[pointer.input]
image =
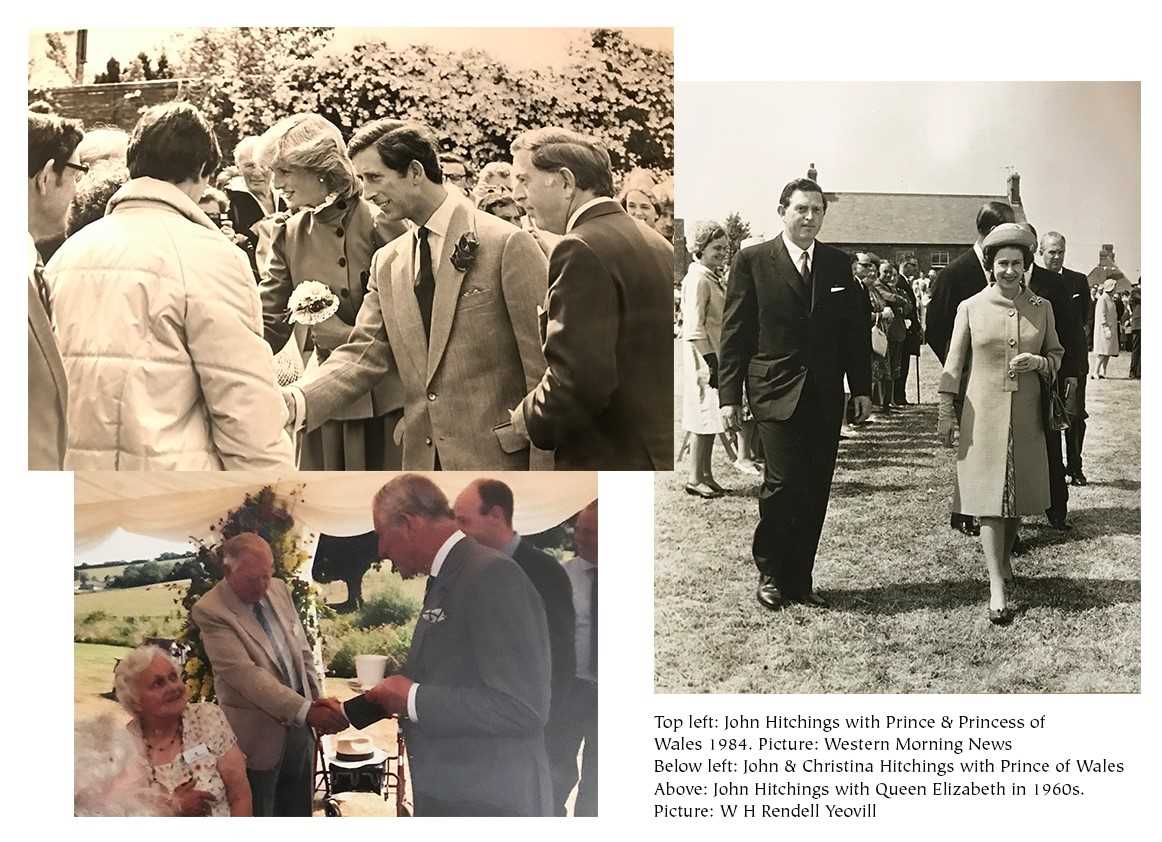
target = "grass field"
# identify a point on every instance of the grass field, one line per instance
(146, 601)
(909, 595)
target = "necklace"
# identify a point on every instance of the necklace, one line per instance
(153, 750)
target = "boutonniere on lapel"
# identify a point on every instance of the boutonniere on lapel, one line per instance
(464, 252)
(434, 615)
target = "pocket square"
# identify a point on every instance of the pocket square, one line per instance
(471, 291)
(837, 289)
(1077, 295)
(434, 615)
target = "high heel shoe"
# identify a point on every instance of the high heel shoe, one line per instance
(703, 491)
(1000, 616)
(714, 486)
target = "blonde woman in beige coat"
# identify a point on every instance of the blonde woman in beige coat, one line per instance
(1004, 343)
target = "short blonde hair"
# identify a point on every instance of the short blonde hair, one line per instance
(314, 144)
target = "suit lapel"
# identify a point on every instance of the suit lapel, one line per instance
(448, 283)
(41, 329)
(246, 619)
(411, 341)
(434, 602)
(787, 271)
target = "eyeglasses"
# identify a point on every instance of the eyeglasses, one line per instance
(80, 168)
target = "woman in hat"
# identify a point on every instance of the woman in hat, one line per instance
(1105, 327)
(703, 297)
(190, 762)
(1004, 351)
(330, 238)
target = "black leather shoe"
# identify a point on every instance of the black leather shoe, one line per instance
(703, 491)
(768, 595)
(1060, 524)
(811, 600)
(1018, 546)
(970, 527)
(1079, 479)
(1000, 617)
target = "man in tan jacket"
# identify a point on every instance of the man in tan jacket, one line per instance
(53, 167)
(264, 676)
(452, 306)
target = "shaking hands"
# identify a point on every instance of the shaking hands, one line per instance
(326, 716)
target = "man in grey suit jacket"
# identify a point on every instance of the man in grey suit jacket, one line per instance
(452, 306)
(53, 165)
(264, 676)
(474, 693)
(607, 397)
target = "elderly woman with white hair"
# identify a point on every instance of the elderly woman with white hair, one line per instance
(703, 297)
(330, 238)
(192, 763)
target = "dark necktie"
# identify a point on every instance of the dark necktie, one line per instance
(431, 583)
(804, 272)
(260, 615)
(425, 281)
(593, 621)
(42, 290)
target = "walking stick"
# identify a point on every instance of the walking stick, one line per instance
(917, 380)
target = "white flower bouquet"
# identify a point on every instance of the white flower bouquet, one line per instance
(311, 302)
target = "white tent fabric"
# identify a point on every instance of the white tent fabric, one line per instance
(176, 505)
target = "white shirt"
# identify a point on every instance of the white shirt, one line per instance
(437, 226)
(577, 213)
(796, 253)
(582, 581)
(437, 563)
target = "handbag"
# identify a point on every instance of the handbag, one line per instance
(1053, 411)
(879, 340)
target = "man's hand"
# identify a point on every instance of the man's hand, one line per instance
(861, 408)
(330, 334)
(326, 715)
(731, 417)
(392, 694)
(291, 410)
(188, 801)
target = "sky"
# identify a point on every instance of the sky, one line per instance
(127, 546)
(1076, 145)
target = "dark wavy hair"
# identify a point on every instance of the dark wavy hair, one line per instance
(992, 214)
(398, 144)
(990, 254)
(51, 138)
(173, 142)
(804, 184)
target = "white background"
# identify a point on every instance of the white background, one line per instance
(714, 41)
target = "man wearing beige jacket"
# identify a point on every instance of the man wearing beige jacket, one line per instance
(264, 676)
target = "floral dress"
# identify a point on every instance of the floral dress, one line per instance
(206, 737)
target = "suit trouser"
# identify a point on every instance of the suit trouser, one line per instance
(1135, 353)
(1075, 435)
(796, 488)
(901, 395)
(578, 727)
(1058, 488)
(287, 789)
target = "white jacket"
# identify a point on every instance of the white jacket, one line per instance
(159, 325)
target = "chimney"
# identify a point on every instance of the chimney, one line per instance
(813, 173)
(1106, 258)
(1013, 191)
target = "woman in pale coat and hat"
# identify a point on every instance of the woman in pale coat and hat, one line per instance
(330, 238)
(1004, 343)
(1105, 327)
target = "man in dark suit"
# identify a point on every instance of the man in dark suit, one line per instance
(1071, 333)
(474, 693)
(909, 272)
(1052, 251)
(795, 322)
(484, 512)
(961, 279)
(606, 398)
(53, 167)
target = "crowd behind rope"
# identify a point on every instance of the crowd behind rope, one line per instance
(960, 311)
(188, 384)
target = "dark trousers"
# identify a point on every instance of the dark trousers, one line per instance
(1136, 354)
(1058, 488)
(576, 735)
(1075, 435)
(901, 395)
(286, 790)
(796, 487)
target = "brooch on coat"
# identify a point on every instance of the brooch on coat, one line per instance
(464, 253)
(1035, 300)
(434, 615)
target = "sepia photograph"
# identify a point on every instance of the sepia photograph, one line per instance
(350, 249)
(335, 644)
(907, 413)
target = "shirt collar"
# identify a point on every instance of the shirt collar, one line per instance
(585, 564)
(439, 222)
(509, 549)
(442, 553)
(591, 203)
(33, 255)
(979, 254)
(794, 251)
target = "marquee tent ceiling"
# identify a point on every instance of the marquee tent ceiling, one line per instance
(175, 505)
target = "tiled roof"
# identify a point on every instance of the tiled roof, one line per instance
(904, 218)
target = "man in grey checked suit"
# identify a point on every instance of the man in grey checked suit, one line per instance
(451, 305)
(264, 676)
(474, 693)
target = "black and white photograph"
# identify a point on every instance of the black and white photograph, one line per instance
(335, 644)
(317, 248)
(907, 412)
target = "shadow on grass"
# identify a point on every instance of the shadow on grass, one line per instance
(855, 488)
(1058, 592)
(1091, 522)
(1120, 484)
